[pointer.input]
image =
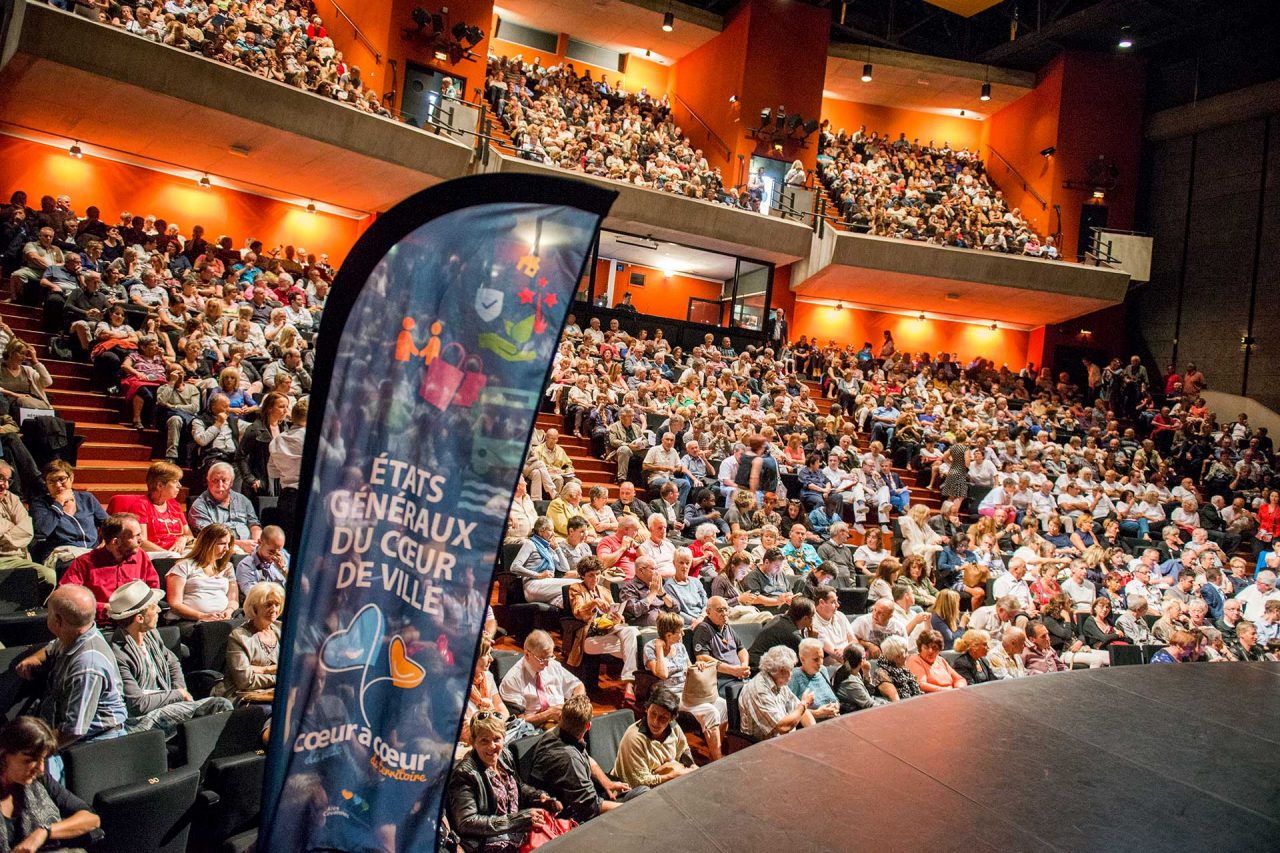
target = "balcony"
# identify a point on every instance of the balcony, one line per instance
(86, 81)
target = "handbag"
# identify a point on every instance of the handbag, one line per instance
(540, 835)
(700, 685)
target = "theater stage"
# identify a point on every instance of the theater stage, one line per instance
(1135, 758)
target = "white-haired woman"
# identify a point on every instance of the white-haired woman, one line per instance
(892, 678)
(917, 536)
(253, 649)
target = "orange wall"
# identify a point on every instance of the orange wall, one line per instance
(960, 132)
(1020, 132)
(641, 72)
(115, 187)
(706, 77)
(373, 17)
(856, 326)
(786, 66)
(661, 297)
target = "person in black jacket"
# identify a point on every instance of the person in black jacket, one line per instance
(255, 445)
(563, 768)
(489, 806)
(972, 662)
(785, 630)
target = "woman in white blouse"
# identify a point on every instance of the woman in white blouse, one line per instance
(917, 536)
(870, 553)
(599, 514)
(202, 585)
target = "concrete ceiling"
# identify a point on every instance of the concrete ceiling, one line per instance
(627, 27)
(974, 301)
(667, 256)
(928, 84)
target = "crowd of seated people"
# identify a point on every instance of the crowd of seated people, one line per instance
(746, 515)
(561, 118)
(285, 41)
(929, 192)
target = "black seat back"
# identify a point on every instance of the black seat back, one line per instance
(209, 644)
(502, 664)
(605, 735)
(151, 815)
(19, 591)
(852, 601)
(101, 764)
(237, 780)
(522, 753)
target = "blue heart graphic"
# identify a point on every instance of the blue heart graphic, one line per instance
(348, 648)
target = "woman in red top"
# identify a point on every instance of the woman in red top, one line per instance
(1046, 586)
(929, 666)
(1268, 523)
(164, 525)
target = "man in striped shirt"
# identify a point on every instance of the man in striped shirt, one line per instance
(84, 699)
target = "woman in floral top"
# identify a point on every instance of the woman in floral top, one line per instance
(892, 679)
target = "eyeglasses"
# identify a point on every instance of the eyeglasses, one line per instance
(486, 715)
(550, 656)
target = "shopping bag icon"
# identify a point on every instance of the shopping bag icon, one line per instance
(443, 379)
(473, 381)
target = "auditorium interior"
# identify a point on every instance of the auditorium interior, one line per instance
(889, 373)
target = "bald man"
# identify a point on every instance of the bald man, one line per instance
(84, 699)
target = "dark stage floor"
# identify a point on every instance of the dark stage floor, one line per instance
(1137, 758)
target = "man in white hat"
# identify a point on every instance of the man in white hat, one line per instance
(155, 691)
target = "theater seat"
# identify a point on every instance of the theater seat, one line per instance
(502, 663)
(237, 732)
(853, 602)
(522, 754)
(1125, 655)
(605, 735)
(99, 765)
(150, 816)
(237, 782)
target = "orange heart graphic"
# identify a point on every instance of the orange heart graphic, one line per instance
(405, 672)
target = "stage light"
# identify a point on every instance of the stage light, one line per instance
(994, 327)
(839, 306)
(459, 30)
(810, 126)
(668, 22)
(205, 183)
(793, 121)
(866, 73)
(765, 114)
(1048, 152)
(962, 114)
(986, 92)
(648, 52)
(75, 151)
(780, 117)
(921, 317)
(733, 99)
(311, 207)
(1126, 41)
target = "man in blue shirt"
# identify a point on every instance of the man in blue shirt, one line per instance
(808, 677)
(269, 562)
(883, 419)
(221, 504)
(84, 699)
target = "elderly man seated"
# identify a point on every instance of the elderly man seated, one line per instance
(538, 685)
(221, 504)
(1006, 659)
(269, 562)
(808, 678)
(872, 629)
(155, 690)
(84, 696)
(1039, 656)
(542, 569)
(654, 749)
(767, 705)
(716, 642)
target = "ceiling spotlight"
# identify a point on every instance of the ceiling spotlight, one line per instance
(733, 99)
(810, 126)
(648, 52)
(793, 121)
(921, 317)
(311, 207)
(75, 151)
(986, 92)
(765, 115)
(866, 72)
(780, 117)
(205, 183)
(839, 306)
(668, 22)
(1048, 152)
(962, 114)
(993, 327)
(1126, 41)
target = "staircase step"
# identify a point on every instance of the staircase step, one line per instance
(83, 399)
(110, 451)
(90, 415)
(113, 432)
(113, 471)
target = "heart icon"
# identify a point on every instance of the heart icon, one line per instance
(349, 648)
(406, 673)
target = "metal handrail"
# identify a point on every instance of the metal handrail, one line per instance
(715, 137)
(1026, 185)
(359, 33)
